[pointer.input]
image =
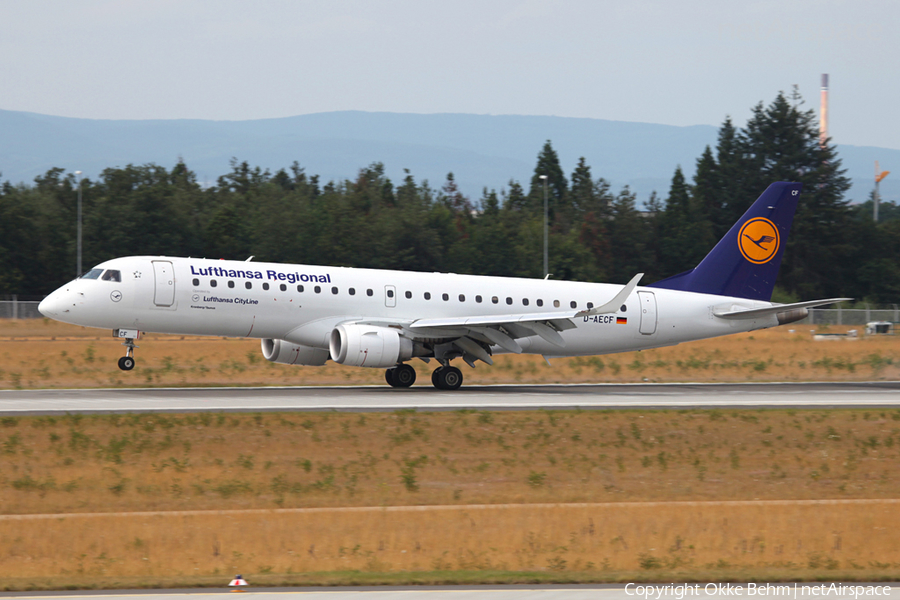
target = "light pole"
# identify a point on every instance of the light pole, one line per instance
(546, 258)
(78, 268)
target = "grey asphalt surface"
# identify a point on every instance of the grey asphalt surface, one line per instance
(500, 397)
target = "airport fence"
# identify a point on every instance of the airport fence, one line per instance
(851, 316)
(19, 309)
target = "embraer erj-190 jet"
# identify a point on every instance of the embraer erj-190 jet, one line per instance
(306, 314)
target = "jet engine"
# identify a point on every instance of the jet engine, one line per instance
(286, 353)
(359, 345)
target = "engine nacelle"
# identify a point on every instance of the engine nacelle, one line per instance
(286, 353)
(360, 345)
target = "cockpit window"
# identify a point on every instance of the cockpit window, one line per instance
(112, 275)
(92, 274)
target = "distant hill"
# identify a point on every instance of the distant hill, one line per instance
(481, 150)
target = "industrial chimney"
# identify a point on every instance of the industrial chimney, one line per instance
(823, 112)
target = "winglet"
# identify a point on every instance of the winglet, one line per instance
(614, 304)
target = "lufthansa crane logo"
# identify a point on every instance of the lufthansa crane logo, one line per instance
(758, 240)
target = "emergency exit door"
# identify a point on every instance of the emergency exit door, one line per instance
(164, 277)
(648, 312)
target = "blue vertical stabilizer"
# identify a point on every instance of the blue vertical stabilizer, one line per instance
(744, 264)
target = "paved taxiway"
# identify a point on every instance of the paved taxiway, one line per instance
(510, 592)
(500, 397)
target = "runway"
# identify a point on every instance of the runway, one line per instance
(500, 397)
(509, 592)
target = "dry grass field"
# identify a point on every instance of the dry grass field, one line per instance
(448, 494)
(45, 354)
(525, 543)
(466, 496)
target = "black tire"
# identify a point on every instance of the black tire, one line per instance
(404, 376)
(450, 378)
(126, 363)
(436, 378)
(389, 376)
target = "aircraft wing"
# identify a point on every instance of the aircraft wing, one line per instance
(503, 330)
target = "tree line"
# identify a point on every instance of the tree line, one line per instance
(596, 233)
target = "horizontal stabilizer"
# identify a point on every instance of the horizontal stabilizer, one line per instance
(755, 313)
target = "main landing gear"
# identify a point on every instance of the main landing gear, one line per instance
(402, 375)
(443, 378)
(447, 378)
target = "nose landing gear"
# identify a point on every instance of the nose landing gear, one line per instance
(126, 363)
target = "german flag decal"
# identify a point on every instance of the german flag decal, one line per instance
(621, 321)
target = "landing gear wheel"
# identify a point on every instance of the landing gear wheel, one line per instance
(404, 376)
(389, 376)
(126, 363)
(447, 378)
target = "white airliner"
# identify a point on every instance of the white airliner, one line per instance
(306, 315)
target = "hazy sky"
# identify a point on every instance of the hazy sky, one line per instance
(680, 63)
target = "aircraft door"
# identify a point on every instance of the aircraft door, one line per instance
(390, 296)
(648, 312)
(164, 277)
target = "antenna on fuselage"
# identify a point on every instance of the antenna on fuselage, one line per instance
(250, 258)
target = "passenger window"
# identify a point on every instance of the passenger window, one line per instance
(300, 288)
(212, 283)
(462, 298)
(445, 297)
(196, 282)
(408, 295)
(265, 286)
(556, 304)
(248, 285)
(369, 292)
(495, 299)
(334, 290)
(509, 300)
(525, 301)
(478, 299)
(112, 275)
(573, 304)
(283, 287)
(624, 308)
(428, 295)
(390, 293)
(92, 274)
(231, 284)
(539, 302)
(352, 291)
(590, 305)
(317, 289)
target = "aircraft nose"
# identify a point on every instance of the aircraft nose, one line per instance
(52, 305)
